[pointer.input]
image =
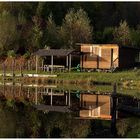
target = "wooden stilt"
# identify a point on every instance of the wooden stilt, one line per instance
(51, 96)
(69, 98)
(42, 64)
(69, 62)
(21, 71)
(66, 99)
(36, 64)
(36, 90)
(13, 65)
(113, 112)
(82, 61)
(4, 72)
(51, 63)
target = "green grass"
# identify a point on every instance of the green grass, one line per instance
(101, 76)
(126, 77)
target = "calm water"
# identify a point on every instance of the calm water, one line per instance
(70, 112)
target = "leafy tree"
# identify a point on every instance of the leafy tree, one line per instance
(135, 37)
(8, 31)
(52, 33)
(28, 9)
(37, 33)
(11, 54)
(122, 34)
(40, 9)
(75, 28)
(108, 35)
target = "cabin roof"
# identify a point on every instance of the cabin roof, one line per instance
(54, 52)
(105, 45)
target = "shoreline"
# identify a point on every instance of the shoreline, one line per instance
(124, 78)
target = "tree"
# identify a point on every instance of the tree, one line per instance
(135, 37)
(108, 35)
(37, 34)
(75, 28)
(51, 33)
(8, 32)
(122, 34)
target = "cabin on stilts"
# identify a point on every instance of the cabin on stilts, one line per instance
(108, 56)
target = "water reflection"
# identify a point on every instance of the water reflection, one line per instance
(49, 111)
(95, 106)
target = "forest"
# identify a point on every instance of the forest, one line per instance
(28, 26)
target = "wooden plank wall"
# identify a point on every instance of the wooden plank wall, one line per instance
(99, 56)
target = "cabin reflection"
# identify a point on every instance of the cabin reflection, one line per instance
(95, 106)
(86, 105)
(56, 100)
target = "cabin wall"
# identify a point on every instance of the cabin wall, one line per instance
(127, 57)
(99, 56)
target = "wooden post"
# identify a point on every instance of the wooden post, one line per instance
(4, 78)
(81, 100)
(4, 72)
(20, 89)
(36, 90)
(111, 61)
(42, 64)
(97, 100)
(51, 63)
(69, 98)
(113, 112)
(51, 96)
(69, 62)
(21, 71)
(66, 98)
(4, 87)
(36, 64)
(97, 61)
(82, 60)
(13, 89)
(13, 64)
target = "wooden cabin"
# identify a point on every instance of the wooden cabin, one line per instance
(107, 56)
(95, 106)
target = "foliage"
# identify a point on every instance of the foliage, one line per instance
(27, 55)
(28, 26)
(108, 35)
(51, 33)
(8, 31)
(135, 37)
(122, 34)
(75, 28)
(11, 53)
(37, 33)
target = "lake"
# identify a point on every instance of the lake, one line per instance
(68, 111)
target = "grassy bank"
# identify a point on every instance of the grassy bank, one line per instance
(121, 77)
(125, 78)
